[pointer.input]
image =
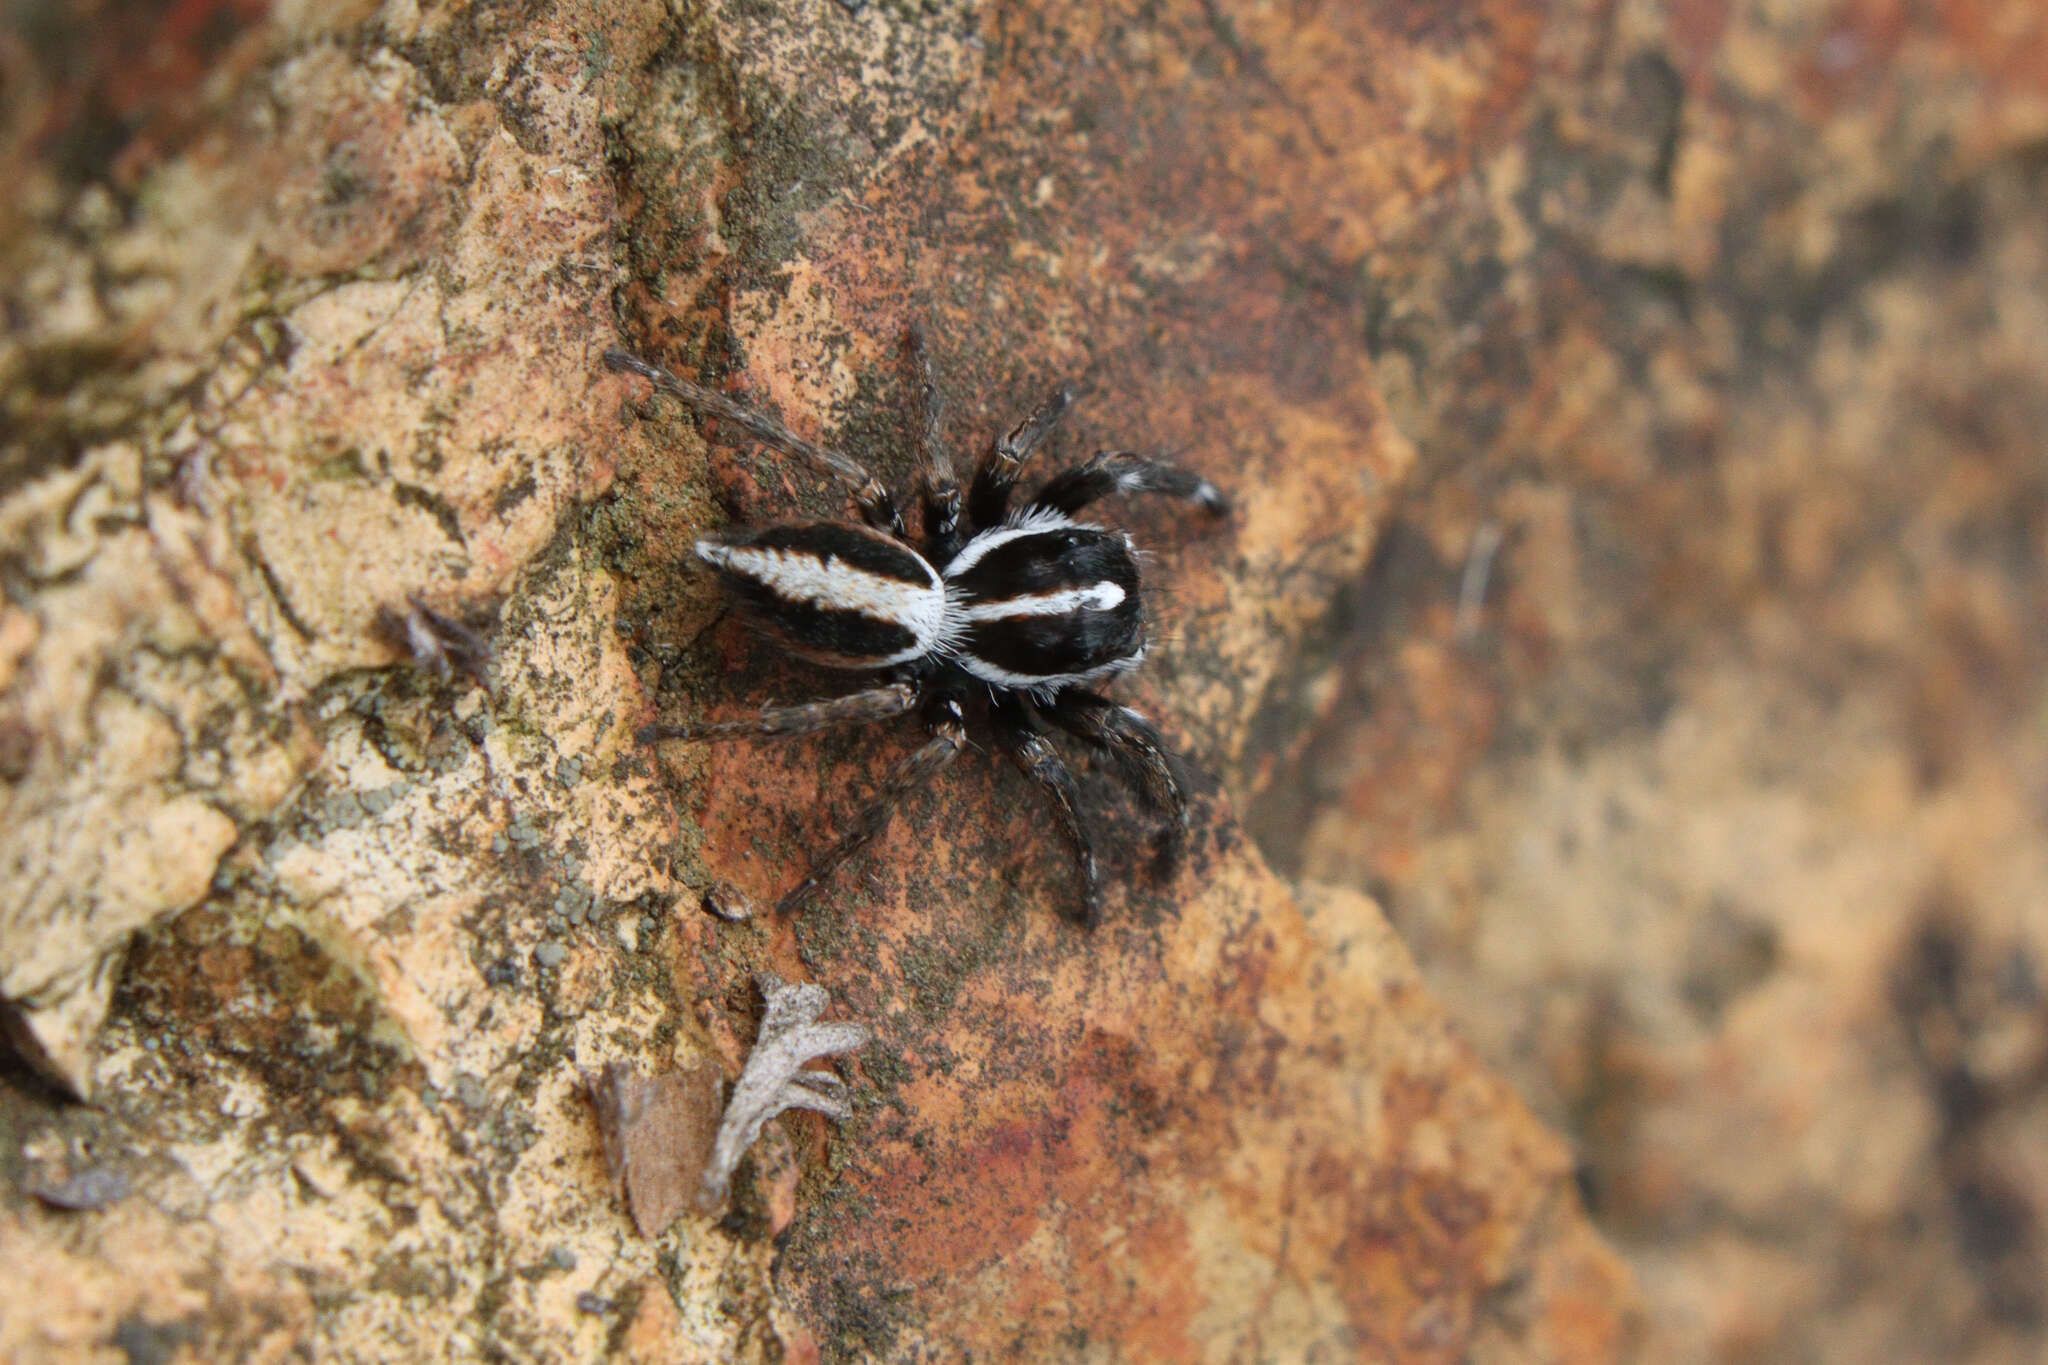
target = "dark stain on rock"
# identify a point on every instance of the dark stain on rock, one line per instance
(142, 1342)
(1947, 989)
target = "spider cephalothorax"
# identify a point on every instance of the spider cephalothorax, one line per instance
(1014, 614)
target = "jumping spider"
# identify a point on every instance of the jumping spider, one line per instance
(1013, 614)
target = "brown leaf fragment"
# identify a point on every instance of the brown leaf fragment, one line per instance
(774, 1078)
(657, 1133)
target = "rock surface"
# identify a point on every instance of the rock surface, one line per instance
(1720, 815)
(303, 311)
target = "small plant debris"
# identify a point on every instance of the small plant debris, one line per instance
(437, 642)
(663, 1132)
(774, 1078)
(727, 902)
(657, 1134)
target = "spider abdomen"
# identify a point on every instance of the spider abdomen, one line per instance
(836, 593)
(1045, 602)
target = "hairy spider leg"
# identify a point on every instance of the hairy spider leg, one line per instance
(1141, 753)
(949, 737)
(940, 489)
(988, 501)
(877, 508)
(789, 722)
(1123, 472)
(1016, 731)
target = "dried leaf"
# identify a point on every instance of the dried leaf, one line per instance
(658, 1135)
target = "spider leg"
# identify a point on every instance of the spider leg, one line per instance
(988, 501)
(1147, 763)
(788, 722)
(949, 737)
(1122, 472)
(941, 490)
(1017, 734)
(877, 508)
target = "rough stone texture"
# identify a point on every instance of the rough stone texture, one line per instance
(259, 386)
(1720, 822)
(302, 314)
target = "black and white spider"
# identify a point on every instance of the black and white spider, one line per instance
(1015, 614)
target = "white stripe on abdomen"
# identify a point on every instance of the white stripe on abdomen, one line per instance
(1094, 597)
(831, 583)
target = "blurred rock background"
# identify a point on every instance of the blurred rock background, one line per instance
(1692, 724)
